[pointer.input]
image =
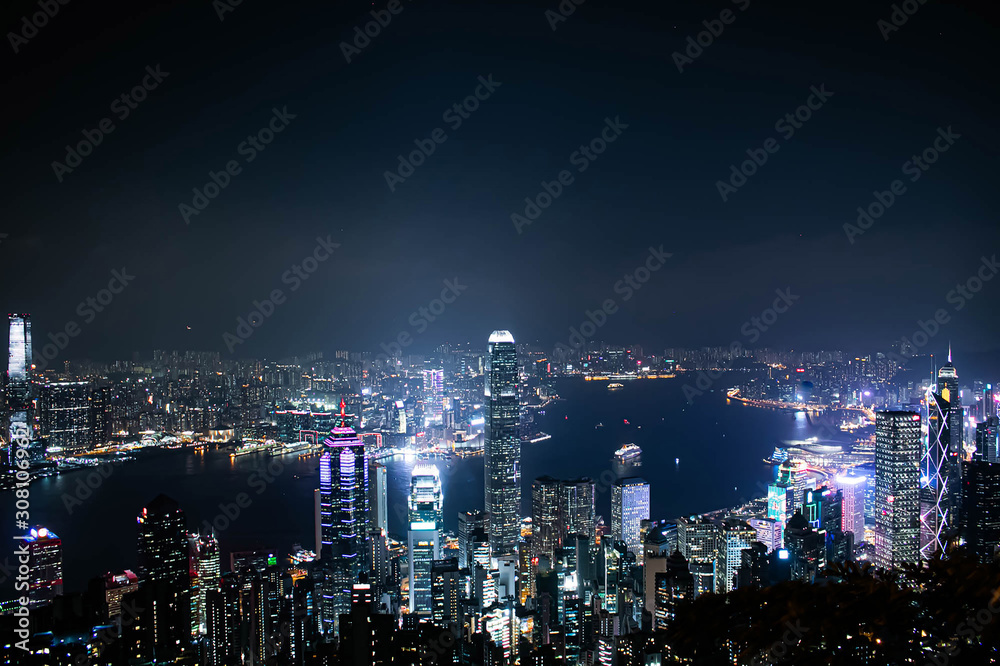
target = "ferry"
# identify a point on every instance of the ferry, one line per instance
(615, 386)
(628, 454)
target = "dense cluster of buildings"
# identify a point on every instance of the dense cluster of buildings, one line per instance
(559, 586)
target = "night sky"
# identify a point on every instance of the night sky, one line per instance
(323, 175)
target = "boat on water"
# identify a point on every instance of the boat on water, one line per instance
(615, 386)
(628, 454)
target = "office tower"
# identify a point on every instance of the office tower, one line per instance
(897, 481)
(769, 532)
(568, 605)
(629, 507)
(255, 606)
(379, 501)
(981, 509)
(423, 547)
(654, 563)
(853, 489)
(988, 439)
(560, 509)
(781, 498)
(205, 569)
(445, 592)
(502, 450)
(343, 482)
(425, 504)
(100, 415)
(698, 541)
(469, 521)
(163, 568)
(65, 416)
(614, 574)
(222, 622)
(674, 586)
(45, 576)
(426, 499)
(19, 388)
(736, 536)
(433, 397)
(116, 586)
(947, 385)
(753, 566)
(937, 506)
(806, 548)
(839, 544)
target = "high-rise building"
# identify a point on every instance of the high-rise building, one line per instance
(629, 507)
(937, 508)
(379, 502)
(163, 569)
(433, 397)
(560, 509)
(468, 522)
(981, 509)
(116, 586)
(853, 519)
(222, 620)
(205, 569)
(897, 488)
(736, 536)
(45, 576)
(343, 482)
(698, 541)
(988, 439)
(19, 388)
(445, 592)
(423, 544)
(673, 587)
(65, 416)
(947, 385)
(502, 450)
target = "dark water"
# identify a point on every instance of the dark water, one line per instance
(720, 448)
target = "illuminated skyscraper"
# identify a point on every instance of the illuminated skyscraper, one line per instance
(378, 478)
(981, 509)
(222, 618)
(469, 522)
(736, 536)
(344, 509)
(502, 444)
(433, 396)
(853, 518)
(45, 576)
(897, 488)
(674, 587)
(19, 425)
(205, 567)
(560, 509)
(629, 507)
(425, 504)
(164, 570)
(698, 541)
(937, 504)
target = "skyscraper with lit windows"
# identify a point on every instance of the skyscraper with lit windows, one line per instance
(423, 542)
(502, 450)
(853, 516)
(433, 396)
(629, 507)
(18, 389)
(45, 576)
(897, 488)
(344, 517)
(937, 508)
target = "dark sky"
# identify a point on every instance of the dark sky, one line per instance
(655, 185)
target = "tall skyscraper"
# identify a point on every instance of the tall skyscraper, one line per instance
(222, 619)
(18, 389)
(853, 518)
(937, 508)
(673, 587)
(698, 542)
(423, 543)
(981, 509)
(45, 576)
(560, 509)
(163, 568)
(433, 397)
(378, 477)
(736, 536)
(468, 523)
(445, 592)
(629, 507)
(205, 567)
(988, 439)
(897, 488)
(344, 508)
(502, 444)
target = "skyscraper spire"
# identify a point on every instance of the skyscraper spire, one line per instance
(343, 414)
(949, 351)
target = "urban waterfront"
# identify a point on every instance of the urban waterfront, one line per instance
(715, 441)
